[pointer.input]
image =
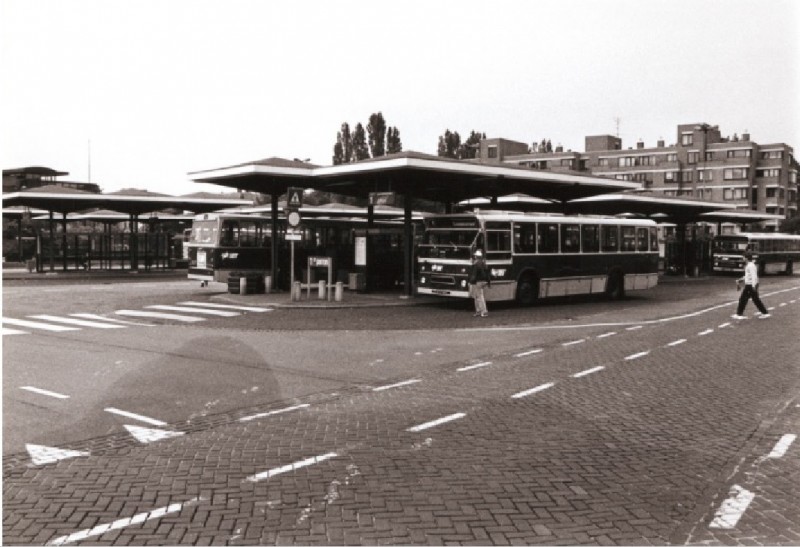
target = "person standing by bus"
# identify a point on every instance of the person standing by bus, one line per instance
(750, 280)
(478, 281)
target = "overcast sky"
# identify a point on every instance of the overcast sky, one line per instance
(161, 88)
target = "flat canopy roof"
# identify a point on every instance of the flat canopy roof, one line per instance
(413, 174)
(675, 209)
(76, 200)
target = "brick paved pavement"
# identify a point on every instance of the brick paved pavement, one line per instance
(642, 451)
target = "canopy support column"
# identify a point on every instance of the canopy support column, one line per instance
(274, 243)
(408, 248)
(64, 240)
(52, 243)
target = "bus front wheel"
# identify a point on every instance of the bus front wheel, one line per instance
(615, 286)
(527, 291)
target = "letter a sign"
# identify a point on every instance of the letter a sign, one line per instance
(294, 198)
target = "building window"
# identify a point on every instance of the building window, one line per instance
(768, 172)
(686, 176)
(492, 151)
(772, 192)
(687, 139)
(672, 157)
(671, 176)
(793, 177)
(709, 155)
(566, 163)
(705, 175)
(734, 193)
(735, 173)
(772, 155)
(739, 153)
(603, 162)
(670, 193)
(693, 156)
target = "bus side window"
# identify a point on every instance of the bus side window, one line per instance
(548, 238)
(589, 240)
(609, 236)
(230, 234)
(525, 238)
(570, 238)
(641, 239)
(628, 238)
(653, 239)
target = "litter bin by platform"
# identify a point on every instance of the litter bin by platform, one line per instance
(255, 282)
(357, 282)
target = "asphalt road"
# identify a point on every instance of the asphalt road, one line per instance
(658, 419)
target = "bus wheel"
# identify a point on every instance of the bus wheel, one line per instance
(527, 291)
(789, 267)
(615, 286)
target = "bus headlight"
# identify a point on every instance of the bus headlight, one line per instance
(463, 283)
(422, 280)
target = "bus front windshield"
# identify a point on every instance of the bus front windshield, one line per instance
(444, 243)
(204, 232)
(730, 245)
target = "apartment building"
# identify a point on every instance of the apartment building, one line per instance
(701, 163)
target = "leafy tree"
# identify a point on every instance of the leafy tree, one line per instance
(449, 144)
(347, 144)
(360, 149)
(338, 150)
(393, 143)
(376, 130)
(469, 149)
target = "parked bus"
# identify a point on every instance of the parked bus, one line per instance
(774, 252)
(221, 243)
(532, 256)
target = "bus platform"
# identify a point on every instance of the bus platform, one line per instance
(350, 299)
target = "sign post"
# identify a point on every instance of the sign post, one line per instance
(294, 200)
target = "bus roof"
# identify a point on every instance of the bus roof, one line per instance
(759, 235)
(548, 217)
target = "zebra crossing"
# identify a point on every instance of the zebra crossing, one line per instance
(150, 316)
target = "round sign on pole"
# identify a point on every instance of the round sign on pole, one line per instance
(293, 218)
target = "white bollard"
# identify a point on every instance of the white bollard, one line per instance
(267, 284)
(339, 291)
(296, 291)
(243, 285)
(321, 294)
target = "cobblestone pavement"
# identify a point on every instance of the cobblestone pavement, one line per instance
(661, 433)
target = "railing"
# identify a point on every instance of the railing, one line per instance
(105, 252)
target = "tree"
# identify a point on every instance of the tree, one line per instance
(449, 144)
(376, 130)
(393, 144)
(347, 144)
(338, 150)
(360, 149)
(469, 149)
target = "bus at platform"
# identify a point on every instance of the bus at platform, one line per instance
(533, 256)
(773, 252)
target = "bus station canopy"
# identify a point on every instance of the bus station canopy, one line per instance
(667, 209)
(412, 174)
(68, 200)
(106, 215)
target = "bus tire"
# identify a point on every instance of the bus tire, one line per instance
(615, 285)
(789, 267)
(527, 290)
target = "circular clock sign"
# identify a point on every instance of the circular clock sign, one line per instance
(293, 218)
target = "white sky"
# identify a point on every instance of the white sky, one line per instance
(165, 87)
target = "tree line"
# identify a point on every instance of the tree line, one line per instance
(360, 144)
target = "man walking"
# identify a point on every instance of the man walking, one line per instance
(750, 280)
(478, 280)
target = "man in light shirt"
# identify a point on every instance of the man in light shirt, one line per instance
(750, 280)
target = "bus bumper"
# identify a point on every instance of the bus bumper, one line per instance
(442, 292)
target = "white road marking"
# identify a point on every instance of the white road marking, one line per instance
(782, 304)
(41, 455)
(637, 327)
(172, 316)
(529, 352)
(770, 308)
(273, 412)
(677, 342)
(588, 371)
(434, 423)
(139, 417)
(123, 523)
(732, 508)
(45, 392)
(782, 446)
(637, 355)
(581, 341)
(191, 309)
(291, 467)
(471, 367)
(77, 322)
(13, 331)
(722, 326)
(226, 306)
(532, 390)
(35, 325)
(606, 335)
(398, 384)
(101, 318)
(703, 333)
(146, 435)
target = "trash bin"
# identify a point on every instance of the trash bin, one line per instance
(255, 282)
(357, 282)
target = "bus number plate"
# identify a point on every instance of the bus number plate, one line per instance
(201, 259)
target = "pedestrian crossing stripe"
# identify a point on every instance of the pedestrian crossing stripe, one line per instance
(226, 306)
(37, 325)
(219, 313)
(159, 315)
(13, 331)
(119, 321)
(78, 322)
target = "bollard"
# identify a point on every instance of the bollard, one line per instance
(339, 291)
(267, 284)
(296, 291)
(243, 285)
(321, 294)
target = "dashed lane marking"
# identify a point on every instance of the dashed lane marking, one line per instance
(705, 332)
(588, 371)
(533, 390)
(677, 342)
(529, 352)
(471, 367)
(190, 309)
(722, 326)
(607, 334)
(111, 319)
(36, 325)
(157, 315)
(782, 446)
(635, 327)
(637, 355)
(145, 419)
(76, 322)
(123, 523)
(273, 412)
(45, 392)
(434, 423)
(291, 467)
(13, 331)
(732, 508)
(574, 342)
(398, 384)
(226, 306)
